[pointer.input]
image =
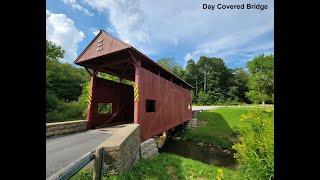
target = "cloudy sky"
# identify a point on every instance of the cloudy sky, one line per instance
(181, 30)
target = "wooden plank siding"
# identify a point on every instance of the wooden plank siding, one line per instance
(171, 104)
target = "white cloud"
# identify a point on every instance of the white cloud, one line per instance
(235, 43)
(165, 26)
(61, 30)
(75, 5)
(94, 31)
(187, 57)
(127, 19)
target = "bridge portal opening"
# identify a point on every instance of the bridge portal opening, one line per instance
(111, 102)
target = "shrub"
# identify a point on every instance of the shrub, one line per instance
(219, 174)
(53, 116)
(83, 174)
(204, 98)
(66, 111)
(84, 98)
(52, 101)
(255, 151)
(72, 110)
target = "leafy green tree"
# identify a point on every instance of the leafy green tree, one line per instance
(64, 84)
(84, 98)
(192, 77)
(204, 98)
(53, 52)
(214, 77)
(239, 85)
(171, 65)
(52, 102)
(64, 80)
(261, 78)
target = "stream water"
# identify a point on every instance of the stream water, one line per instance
(205, 154)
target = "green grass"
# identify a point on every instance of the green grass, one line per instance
(167, 166)
(220, 130)
(221, 127)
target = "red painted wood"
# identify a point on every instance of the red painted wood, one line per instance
(171, 99)
(171, 104)
(121, 97)
(90, 108)
(109, 45)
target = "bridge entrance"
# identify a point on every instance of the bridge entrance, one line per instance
(112, 103)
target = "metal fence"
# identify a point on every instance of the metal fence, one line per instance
(71, 169)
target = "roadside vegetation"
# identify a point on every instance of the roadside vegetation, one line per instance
(64, 86)
(168, 166)
(246, 130)
(249, 131)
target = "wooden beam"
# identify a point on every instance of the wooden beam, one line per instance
(95, 71)
(115, 62)
(88, 71)
(107, 70)
(136, 63)
(125, 68)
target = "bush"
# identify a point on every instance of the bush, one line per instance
(52, 101)
(72, 110)
(66, 111)
(204, 98)
(255, 151)
(54, 116)
(83, 174)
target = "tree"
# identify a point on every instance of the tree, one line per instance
(192, 77)
(261, 78)
(62, 79)
(204, 98)
(174, 67)
(240, 80)
(53, 52)
(219, 83)
(64, 84)
(215, 77)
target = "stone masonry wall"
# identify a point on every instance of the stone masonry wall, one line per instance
(194, 122)
(67, 127)
(122, 150)
(149, 148)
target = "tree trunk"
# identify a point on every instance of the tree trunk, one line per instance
(196, 86)
(205, 81)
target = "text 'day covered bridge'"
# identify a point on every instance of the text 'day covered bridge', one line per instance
(157, 99)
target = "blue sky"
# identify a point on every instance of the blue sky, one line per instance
(179, 30)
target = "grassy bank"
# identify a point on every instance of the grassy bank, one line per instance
(223, 127)
(167, 166)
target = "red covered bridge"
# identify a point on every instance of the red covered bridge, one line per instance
(158, 100)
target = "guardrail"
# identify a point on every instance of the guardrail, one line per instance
(71, 169)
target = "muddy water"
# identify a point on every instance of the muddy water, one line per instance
(205, 154)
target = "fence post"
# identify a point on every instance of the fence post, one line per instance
(98, 164)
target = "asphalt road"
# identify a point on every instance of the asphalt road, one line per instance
(62, 150)
(204, 107)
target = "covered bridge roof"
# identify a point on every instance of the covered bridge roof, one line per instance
(110, 55)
